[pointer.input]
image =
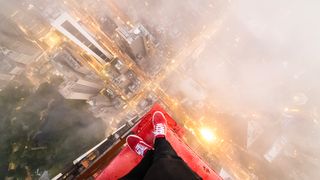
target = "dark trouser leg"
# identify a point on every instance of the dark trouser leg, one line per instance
(138, 172)
(163, 149)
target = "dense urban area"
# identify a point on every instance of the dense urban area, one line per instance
(74, 71)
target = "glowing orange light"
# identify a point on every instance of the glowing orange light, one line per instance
(207, 134)
(52, 39)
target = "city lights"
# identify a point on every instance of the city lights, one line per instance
(52, 39)
(240, 111)
(207, 134)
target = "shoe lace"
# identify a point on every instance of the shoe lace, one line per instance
(140, 149)
(159, 129)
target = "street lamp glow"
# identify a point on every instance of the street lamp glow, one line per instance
(207, 134)
(52, 39)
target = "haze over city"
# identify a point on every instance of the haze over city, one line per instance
(240, 76)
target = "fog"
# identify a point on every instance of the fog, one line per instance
(262, 63)
(255, 62)
(264, 60)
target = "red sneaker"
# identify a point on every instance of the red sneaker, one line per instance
(159, 124)
(137, 145)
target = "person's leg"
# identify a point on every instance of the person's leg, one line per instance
(167, 164)
(161, 145)
(163, 149)
(136, 144)
(138, 172)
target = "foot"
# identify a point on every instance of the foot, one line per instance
(137, 145)
(159, 124)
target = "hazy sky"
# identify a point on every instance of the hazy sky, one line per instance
(263, 59)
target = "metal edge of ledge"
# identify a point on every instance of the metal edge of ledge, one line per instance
(114, 138)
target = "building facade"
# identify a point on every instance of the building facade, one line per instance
(72, 29)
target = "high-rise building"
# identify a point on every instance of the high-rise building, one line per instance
(275, 149)
(47, 9)
(71, 65)
(26, 17)
(123, 78)
(108, 25)
(254, 131)
(8, 70)
(136, 41)
(14, 44)
(80, 89)
(80, 83)
(101, 106)
(132, 42)
(96, 9)
(116, 99)
(119, 66)
(40, 71)
(18, 56)
(80, 36)
(7, 66)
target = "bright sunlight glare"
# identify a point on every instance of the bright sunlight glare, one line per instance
(208, 134)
